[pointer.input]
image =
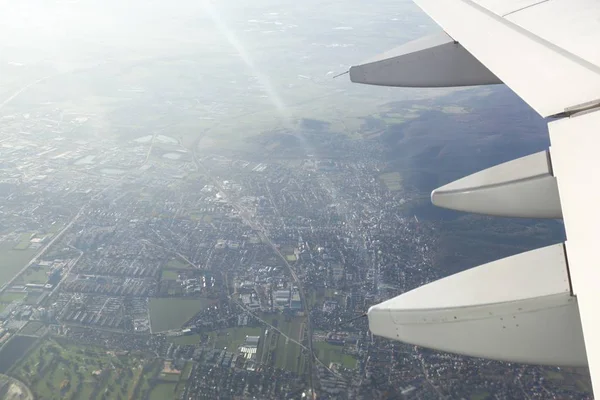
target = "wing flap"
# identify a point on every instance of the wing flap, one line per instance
(516, 309)
(522, 188)
(549, 78)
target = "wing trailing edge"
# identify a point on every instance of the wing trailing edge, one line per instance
(524, 188)
(517, 309)
(432, 61)
(533, 307)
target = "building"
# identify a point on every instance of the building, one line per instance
(295, 302)
(250, 347)
(281, 298)
(252, 341)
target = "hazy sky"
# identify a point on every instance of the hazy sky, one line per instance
(191, 58)
(76, 31)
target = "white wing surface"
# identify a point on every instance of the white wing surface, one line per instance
(547, 52)
(541, 306)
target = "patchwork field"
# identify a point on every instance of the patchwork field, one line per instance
(277, 349)
(58, 370)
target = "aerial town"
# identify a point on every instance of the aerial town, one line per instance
(152, 269)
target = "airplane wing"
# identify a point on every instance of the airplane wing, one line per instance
(537, 307)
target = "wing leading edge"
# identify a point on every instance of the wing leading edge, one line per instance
(540, 306)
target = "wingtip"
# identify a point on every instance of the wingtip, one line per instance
(435, 197)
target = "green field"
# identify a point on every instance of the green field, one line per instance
(317, 297)
(86, 372)
(168, 274)
(169, 377)
(279, 351)
(554, 375)
(329, 353)
(8, 297)
(57, 371)
(185, 340)
(23, 241)
(35, 275)
(253, 239)
(32, 328)
(172, 313)
(291, 257)
(12, 260)
(393, 180)
(178, 264)
(32, 297)
(286, 249)
(575, 378)
(163, 391)
(232, 338)
(187, 370)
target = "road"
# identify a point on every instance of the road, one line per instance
(149, 150)
(298, 283)
(249, 311)
(43, 250)
(265, 238)
(71, 222)
(22, 89)
(66, 274)
(184, 258)
(42, 79)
